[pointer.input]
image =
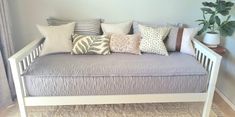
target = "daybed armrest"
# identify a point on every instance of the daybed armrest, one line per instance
(34, 46)
(19, 63)
(21, 60)
(211, 62)
(207, 57)
(27, 55)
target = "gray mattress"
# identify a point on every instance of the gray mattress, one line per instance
(115, 74)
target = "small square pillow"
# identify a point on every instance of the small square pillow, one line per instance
(180, 39)
(90, 44)
(152, 40)
(125, 43)
(116, 28)
(58, 38)
(186, 44)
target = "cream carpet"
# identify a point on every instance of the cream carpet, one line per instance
(123, 110)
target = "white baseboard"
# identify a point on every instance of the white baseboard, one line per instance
(225, 99)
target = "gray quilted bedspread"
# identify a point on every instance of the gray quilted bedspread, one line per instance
(66, 75)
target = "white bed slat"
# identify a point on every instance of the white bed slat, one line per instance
(197, 55)
(24, 64)
(37, 52)
(206, 63)
(21, 68)
(28, 60)
(34, 54)
(203, 60)
(31, 57)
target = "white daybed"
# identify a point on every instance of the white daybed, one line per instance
(22, 60)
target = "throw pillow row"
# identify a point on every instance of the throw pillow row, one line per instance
(152, 38)
(92, 27)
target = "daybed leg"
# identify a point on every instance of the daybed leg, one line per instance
(208, 104)
(18, 87)
(211, 87)
(22, 111)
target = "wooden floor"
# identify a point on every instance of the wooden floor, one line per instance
(223, 106)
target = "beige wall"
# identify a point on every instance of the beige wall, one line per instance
(26, 13)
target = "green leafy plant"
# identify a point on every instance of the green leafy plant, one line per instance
(216, 18)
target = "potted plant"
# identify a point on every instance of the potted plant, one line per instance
(216, 21)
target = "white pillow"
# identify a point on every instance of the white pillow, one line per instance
(58, 38)
(152, 40)
(117, 28)
(186, 44)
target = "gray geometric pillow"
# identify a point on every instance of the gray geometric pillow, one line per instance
(82, 27)
(90, 44)
(173, 39)
(137, 23)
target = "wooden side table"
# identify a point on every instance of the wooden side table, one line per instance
(220, 50)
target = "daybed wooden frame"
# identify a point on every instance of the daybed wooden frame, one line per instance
(22, 59)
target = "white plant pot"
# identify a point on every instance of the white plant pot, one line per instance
(212, 39)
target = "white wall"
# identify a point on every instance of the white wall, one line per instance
(26, 13)
(226, 81)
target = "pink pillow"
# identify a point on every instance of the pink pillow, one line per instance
(125, 43)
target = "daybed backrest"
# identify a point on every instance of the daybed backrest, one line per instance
(83, 27)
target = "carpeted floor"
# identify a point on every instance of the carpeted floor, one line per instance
(124, 110)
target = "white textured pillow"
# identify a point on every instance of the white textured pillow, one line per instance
(152, 40)
(186, 44)
(117, 28)
(58, 38)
